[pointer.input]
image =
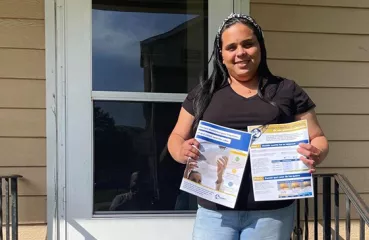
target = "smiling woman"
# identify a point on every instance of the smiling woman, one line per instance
(242, 92)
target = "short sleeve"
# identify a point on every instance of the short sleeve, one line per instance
(302, 101)
(188, 102)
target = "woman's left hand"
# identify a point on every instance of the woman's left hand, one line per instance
(310, 155)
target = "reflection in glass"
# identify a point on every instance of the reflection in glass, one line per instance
(148, 46)
(133, 170)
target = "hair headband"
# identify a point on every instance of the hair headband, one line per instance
(237, 15)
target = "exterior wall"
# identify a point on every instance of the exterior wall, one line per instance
(323, 46)
(22, 109)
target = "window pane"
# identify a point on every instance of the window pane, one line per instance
(148, 46)
(133, 170)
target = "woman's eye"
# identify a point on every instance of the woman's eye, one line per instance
(248, 45)
(231, 48)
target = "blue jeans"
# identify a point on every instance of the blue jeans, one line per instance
(244, 225)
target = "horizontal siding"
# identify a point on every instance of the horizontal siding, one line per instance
(330, 101)
(22, 33)
(346, 154)
(325, 20)
(22, 63)
(15, 93)
(22, 106)
(33, 182)
(323, 73)
(33, 9)
(345, 127)
(22, 123)
(22, 152)
(324, 47)
(317, 46)
(32, 209)
(328, 3)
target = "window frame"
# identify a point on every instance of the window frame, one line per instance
(69, 110)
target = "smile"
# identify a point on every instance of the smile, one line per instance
(242, 63)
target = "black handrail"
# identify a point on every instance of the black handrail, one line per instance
(11, 191)
(343, 185)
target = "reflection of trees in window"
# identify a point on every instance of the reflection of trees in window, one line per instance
(121, 150)
(113, 154)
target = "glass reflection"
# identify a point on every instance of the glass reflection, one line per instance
(133, 170)
(148, 47)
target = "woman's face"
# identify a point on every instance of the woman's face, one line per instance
(240, 51)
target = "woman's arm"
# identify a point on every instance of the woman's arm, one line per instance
(180, 146)
(318, 149)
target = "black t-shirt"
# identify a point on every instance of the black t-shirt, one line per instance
(229, 109)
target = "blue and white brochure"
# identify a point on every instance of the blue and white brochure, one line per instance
(276, 168)
(218, 174)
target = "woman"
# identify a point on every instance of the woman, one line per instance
(241, 91)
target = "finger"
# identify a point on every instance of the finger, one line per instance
(195, 152)
(308, 162)
(193, 149)
(221, 161)
(304, 152)
(309, 147)
(191, 154)
(305, 145)
(194, 142)
(192, 165)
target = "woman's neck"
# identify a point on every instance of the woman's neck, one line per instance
(251, 84)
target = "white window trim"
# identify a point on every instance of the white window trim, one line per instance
(138, 96)
(56, 26)
(54, 109)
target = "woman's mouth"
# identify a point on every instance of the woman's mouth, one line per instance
(242, 63)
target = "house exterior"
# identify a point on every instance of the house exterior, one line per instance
(64, 105)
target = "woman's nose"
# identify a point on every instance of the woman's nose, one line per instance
(241, 52)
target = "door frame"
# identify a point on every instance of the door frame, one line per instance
(63, 21)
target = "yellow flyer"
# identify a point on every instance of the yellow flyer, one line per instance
(276, 168)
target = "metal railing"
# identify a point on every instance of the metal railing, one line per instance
(343, 186)
(10, 184)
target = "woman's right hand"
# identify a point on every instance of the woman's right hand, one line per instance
(189, 149)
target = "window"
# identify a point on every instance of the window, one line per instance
(145, 56)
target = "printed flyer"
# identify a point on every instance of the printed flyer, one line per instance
(223, 157)
(276, 168)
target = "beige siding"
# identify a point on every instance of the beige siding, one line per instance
(340, 20)
(324, 46)
(33, 182)
(22, 108)
(22, 152)
(22, 122)
(21, 33)
(22, 63)
(346, 154)
(22, 9)
(317, 46)
(22, 93)
(323, 73)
